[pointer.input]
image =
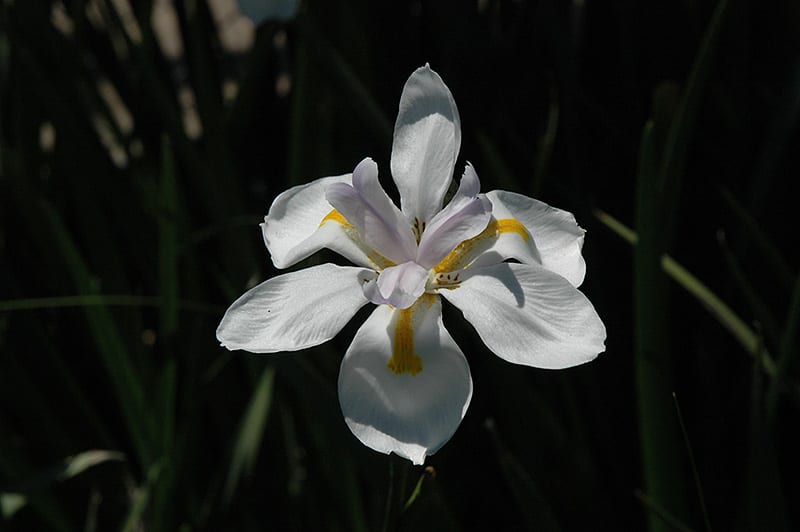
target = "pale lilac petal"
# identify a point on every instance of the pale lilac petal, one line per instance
(367, 207)
(556, 235)
(529, 315)
(463, 218)
(427, 137)
(292, 230)
(399, 285)
(409, 415)
(295, 310)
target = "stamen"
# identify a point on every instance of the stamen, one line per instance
(446, 281)
(417, 230)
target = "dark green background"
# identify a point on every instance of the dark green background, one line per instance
(679, 119)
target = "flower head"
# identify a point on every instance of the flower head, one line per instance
(404, 384)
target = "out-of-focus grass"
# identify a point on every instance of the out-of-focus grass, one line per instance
(660, 180)
(745, 335)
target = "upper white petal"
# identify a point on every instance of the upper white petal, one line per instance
(292, 229)
(409, 415)
(529, 315)
(427, 137)
(463, 218)
(378, 220)
(556, 234)
(295, 310)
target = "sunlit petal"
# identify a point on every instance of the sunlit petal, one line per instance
(556, 234)
(427, 137)
(292, 230)
(411, 415)
(529, 315)
(295, 310)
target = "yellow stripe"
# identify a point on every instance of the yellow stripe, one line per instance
(463, 253)
(512, 225)
(404, 359)
(335, 216)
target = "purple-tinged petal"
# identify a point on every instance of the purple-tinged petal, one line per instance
(465, 216)
(401, 285)
(366, 206)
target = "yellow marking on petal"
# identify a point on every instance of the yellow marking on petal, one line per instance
(463, 253)
(379, 261)
(335, 216)
(512, 225)
(404, 359)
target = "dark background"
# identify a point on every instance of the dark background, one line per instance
(123, 238)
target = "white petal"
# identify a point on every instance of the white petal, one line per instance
(292, 229)
(371, 211)
(529, 315)
(556, 234)
(427, 137)
(295, 310)
(463, 218)
(410, 415)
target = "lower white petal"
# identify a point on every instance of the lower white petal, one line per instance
(295, 310)
(394, 402)
(556, 234)
(529, 315)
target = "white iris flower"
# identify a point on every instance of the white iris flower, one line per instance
(404, 384)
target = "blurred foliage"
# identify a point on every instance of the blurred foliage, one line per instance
(141, 143)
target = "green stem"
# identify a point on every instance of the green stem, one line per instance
(395, 493)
